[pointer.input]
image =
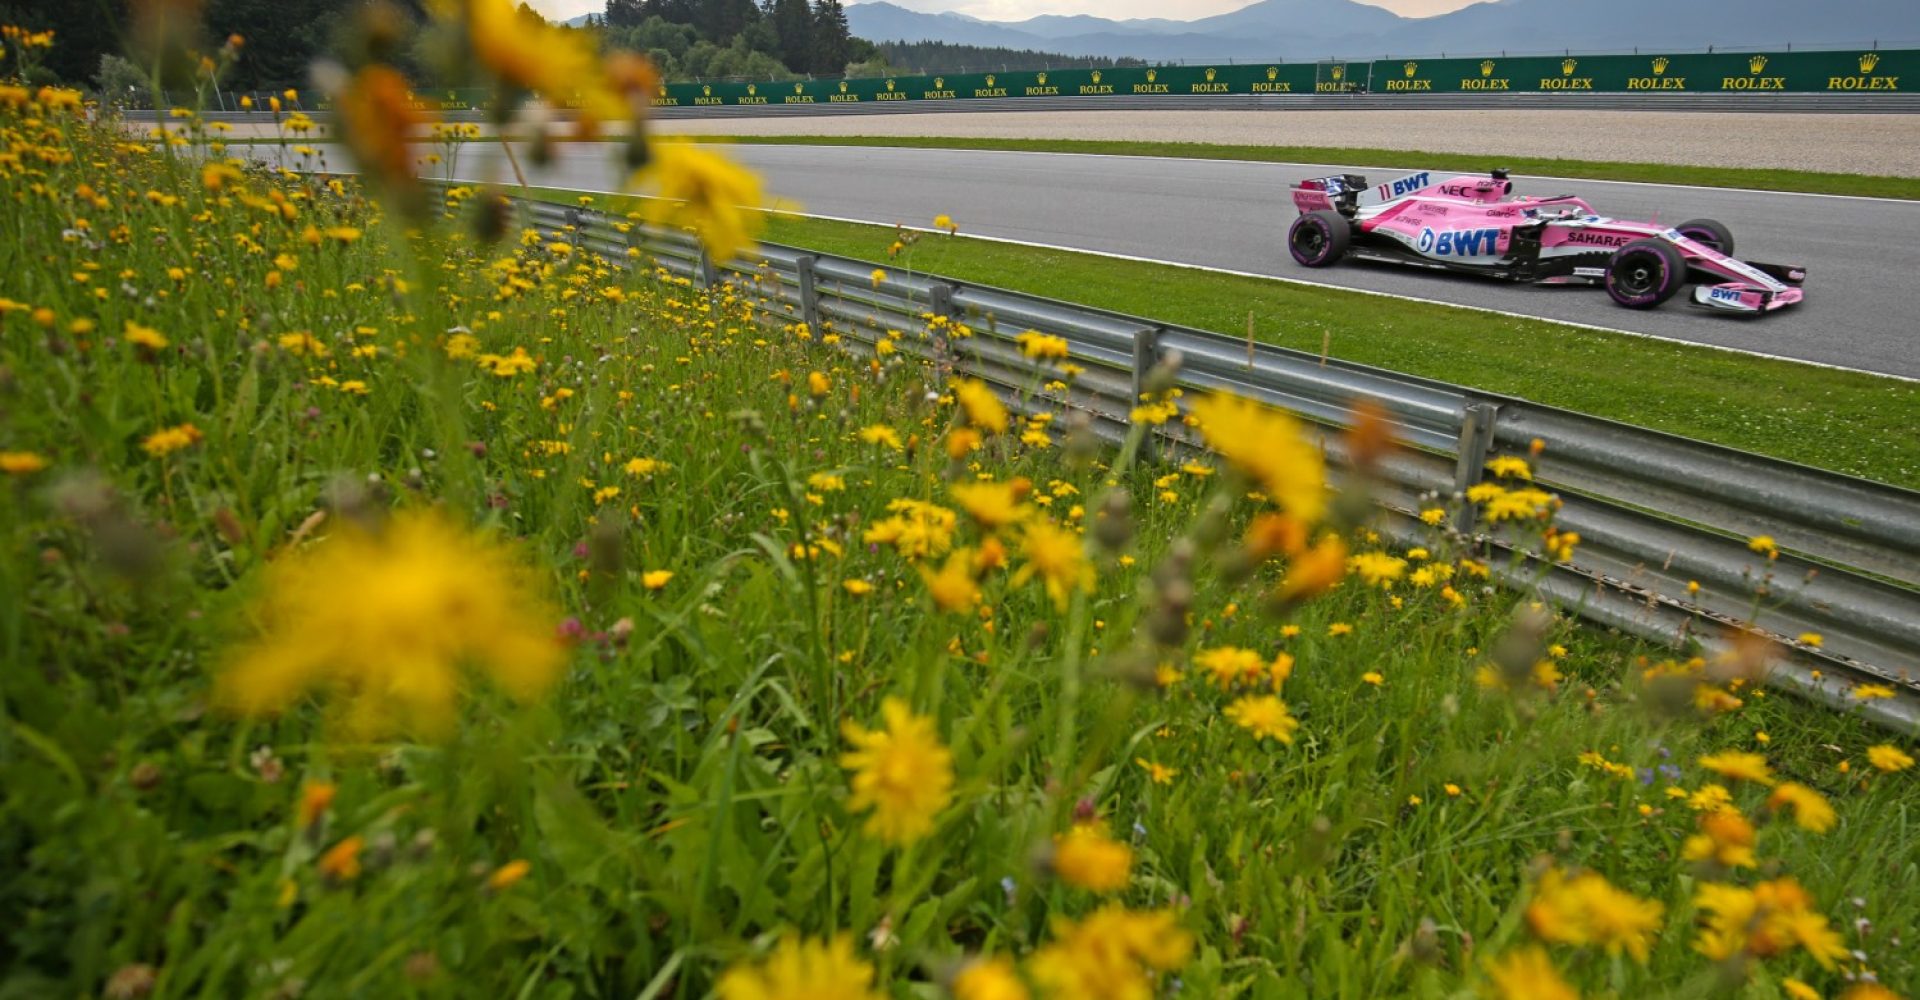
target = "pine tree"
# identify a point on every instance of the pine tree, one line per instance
(625, 13)
(793, 22)
(722, 20)
(831, 38)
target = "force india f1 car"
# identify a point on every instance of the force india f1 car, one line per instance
(1477, 225)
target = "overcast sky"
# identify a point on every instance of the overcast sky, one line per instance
(1014, 10)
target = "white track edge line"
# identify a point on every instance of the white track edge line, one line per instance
(1309, 284)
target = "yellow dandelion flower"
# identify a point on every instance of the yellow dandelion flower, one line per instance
(507, 875)
(901, 772)
(1159, 774)
(1509, 467)
(21, 463)
(383, 621)
(1725, 839)
(1810, 809)
(1586, 909)
(1057, 557)
(1528, 974)
(1270, 448)
(1378, 569)
(1110, 955)
(168, 440)
(989, 979)
(1265, 716)
(1889, 758)
(953, 587)
(992, 505)
(656, 579)
(982, 408)
(145, 337)
(882, 435)
(802, 970)
(341, 862)
(705, 192)
(1086, 857)
(1738, 765)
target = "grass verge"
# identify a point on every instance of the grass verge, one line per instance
(410, 613)
(1862, 185)
(1846, 421)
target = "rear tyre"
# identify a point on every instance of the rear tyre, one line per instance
(1645, 273)
(1319, 239)
(1708, 231)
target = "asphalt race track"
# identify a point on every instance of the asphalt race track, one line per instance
(1863, 255)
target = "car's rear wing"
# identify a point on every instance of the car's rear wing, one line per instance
(1339, 193)
(1346, 193)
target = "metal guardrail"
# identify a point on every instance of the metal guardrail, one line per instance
(1653, 510)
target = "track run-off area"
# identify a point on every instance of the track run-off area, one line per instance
(1861, 254)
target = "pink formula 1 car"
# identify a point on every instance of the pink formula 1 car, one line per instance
(1475, 224)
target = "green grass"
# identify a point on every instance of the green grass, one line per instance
(1845, 421)
(678, 791)
(1863, 185)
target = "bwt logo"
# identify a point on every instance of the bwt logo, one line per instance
(1725, 295)
(1869, 61)
(1757, 64)
(1660, 66)
(1408, 185)
(1461, 243)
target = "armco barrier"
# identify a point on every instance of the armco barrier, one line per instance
(1654, 511)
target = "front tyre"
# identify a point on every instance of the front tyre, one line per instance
(1319, 239)
(1709, 232)
(1645, 273)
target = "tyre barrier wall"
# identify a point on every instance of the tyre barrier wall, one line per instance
(1654, 511)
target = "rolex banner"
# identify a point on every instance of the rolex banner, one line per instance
(1840, 71)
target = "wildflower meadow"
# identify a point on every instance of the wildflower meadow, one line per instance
(401, 602)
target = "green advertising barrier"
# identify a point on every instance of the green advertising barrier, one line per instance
(1717, 72)
(1861, 71)
(1723, 72)
(1291, 78)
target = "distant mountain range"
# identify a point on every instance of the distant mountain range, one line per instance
(1313, 29)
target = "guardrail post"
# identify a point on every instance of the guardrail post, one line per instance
(940, 299)
(1476, 440)
(709, 272)
(809, 292)
(1146, 354)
